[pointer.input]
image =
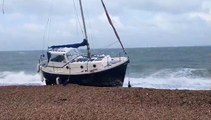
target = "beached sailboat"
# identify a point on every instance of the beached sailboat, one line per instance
(65, 64)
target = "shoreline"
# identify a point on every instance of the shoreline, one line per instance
(83, 102)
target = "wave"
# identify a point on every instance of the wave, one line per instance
(20, 78)
(184, 78)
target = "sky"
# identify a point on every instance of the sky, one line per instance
(37, 24)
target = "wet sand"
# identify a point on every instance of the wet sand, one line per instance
(94, 103)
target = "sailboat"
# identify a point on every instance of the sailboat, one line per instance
(65, 64)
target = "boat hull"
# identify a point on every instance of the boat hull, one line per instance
(112, 77)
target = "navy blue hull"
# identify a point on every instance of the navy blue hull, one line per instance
(108, 78)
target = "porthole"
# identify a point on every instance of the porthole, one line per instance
(94, 66)
(82, 66)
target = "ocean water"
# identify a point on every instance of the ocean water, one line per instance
(160, 68)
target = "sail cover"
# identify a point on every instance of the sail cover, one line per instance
(77, 45)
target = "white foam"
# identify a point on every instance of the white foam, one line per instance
(163, 79)
(170, 83)
(183, 78)
(19, 78)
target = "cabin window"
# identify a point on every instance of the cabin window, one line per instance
(58, 58)
(74, 53)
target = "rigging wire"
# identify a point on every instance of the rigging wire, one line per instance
(46, 33)
(77, 24)
(3, 7)
(108, 46)
(89, 25)
(47, 27)
(77, 16)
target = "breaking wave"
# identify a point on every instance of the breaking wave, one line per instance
(19, 78)
(184, 78)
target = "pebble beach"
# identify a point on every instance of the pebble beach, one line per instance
(95, 103)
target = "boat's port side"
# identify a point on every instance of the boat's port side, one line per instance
(113, 76)
(83, 67)
(70, 66)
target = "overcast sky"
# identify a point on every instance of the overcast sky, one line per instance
(140, 23)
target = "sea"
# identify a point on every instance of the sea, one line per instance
(181, 68)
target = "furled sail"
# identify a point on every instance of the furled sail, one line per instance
(77, 45)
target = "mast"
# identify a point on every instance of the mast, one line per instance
(85, 32)
(110, 22)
